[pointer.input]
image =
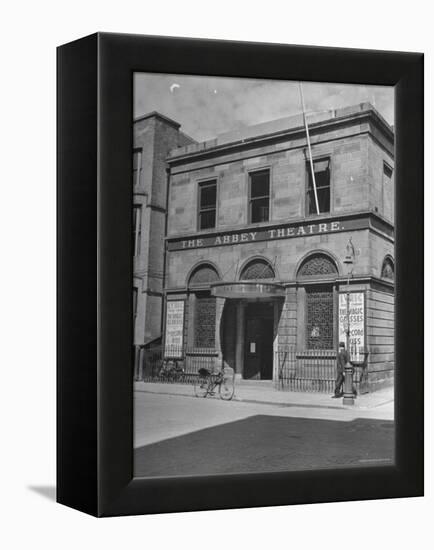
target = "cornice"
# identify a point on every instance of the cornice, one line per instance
(176, 157)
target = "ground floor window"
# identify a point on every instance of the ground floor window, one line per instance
(204, 320)
(319, 318)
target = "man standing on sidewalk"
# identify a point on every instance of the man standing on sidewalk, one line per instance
(342, 359)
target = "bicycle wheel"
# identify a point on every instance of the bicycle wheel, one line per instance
(201, 386)
(227, 387)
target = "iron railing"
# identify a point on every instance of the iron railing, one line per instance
(174, 364)
(305, 371)
(313, 371)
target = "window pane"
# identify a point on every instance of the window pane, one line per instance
(135, 293)
(204, 322)
(258, 269)
(321, 165)
(322, 183)
(259, 184)
(260, 210)
(208, 196)
(311, 207)
(136, 160)
(323, 196)
(137, 166)
(322, 178)
(136, 229)
(207, 219)
(319, 319)
(324, 199)
(387, 171)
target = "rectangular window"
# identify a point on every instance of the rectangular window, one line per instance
(387, 170)
(207, 204)
(137, 166)
(321, 170)
(135, 294)
(137, 229)
(259, 208)
(319, 318)
(387, 192)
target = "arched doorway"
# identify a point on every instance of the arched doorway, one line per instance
(249, 320)
(258, 325)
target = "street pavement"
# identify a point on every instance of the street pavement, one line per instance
(261, 430)
(265, 393)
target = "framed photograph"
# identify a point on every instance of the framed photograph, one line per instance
(240, 274)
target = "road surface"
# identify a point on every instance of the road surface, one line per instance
(178, 435)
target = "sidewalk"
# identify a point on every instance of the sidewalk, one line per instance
(268, 395)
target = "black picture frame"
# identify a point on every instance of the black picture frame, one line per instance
(94, 373)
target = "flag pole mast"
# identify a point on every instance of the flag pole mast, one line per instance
(309, 147)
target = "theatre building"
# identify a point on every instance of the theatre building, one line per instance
(260, 256)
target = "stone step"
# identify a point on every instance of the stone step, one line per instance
(255, 383)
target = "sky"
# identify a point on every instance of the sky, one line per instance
(208, 106)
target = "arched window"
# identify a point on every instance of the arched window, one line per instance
(204, 305)
(319, 317)
(317, 265)
(203, 275)
(388, 269)
(319, 313)
(257, 269)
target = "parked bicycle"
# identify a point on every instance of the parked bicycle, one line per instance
(207, 383)
(171, 370)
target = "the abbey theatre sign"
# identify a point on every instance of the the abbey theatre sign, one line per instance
(258, 234)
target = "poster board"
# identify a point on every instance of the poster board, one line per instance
(174, 328)
(357, 321)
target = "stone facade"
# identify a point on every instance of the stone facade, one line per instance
(358, 147)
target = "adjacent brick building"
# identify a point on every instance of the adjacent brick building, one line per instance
(255, 278)
(154, 137)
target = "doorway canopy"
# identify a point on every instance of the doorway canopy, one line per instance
(256, 282)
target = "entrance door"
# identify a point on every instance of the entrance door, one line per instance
(258, 352)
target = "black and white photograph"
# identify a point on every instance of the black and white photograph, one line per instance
(215, 320)
(263, 275)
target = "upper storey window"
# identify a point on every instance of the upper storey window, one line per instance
(321, 170)
(207, 204)
(387, 191)
(137, 229)
(387, 171)
(259, 193)
(137, 166)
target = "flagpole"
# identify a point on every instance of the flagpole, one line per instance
(309, 147)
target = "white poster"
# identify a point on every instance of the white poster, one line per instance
(174, 328)
(357, 320)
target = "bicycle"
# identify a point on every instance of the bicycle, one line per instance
(207, 382)
(171, 370)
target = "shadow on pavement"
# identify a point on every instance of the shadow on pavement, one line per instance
(263, 443)
(47, 491)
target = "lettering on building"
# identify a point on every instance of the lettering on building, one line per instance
(267, 234)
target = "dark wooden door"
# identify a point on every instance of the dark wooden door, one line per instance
(258, 351)
(267, 349)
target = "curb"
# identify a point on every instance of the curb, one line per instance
(276, 403)
(280, 404)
